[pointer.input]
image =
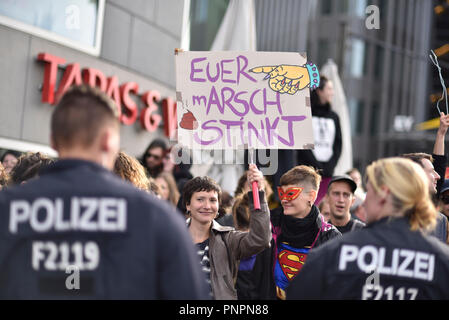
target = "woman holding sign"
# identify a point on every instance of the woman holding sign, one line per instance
(221, 248)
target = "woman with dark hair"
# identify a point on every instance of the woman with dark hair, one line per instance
(9, 159)
(327, 135)
(221, 248)
(152, 158)
(29, 166)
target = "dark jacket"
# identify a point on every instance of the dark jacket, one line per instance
(228, 246)
(408, 265)
(250, 283)
(352, 225)
(125, 243)
(327, 134)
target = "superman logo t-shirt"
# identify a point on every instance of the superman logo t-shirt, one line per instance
(289, 262)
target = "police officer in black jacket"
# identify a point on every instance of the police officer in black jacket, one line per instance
(389, 259)
(80, 232)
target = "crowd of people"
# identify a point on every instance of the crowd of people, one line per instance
(146, 228)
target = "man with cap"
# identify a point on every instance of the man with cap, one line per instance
(340, 195)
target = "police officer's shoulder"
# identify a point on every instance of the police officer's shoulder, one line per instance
(329, 230)
(441, 216)
(358, 224)
(437, 245)
(338, 239)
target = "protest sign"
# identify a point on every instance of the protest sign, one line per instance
(233, 100)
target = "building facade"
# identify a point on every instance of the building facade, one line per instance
(129, 52)
(389, 81)
(384, 67)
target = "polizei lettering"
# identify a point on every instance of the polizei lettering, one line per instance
(84, 214)
(398, 262)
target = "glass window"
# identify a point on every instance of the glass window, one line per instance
(326, 7)
(383, 10)
(379, 62)
(356, 111)
(353, 7)
(359, 7)
(323, 51)
(205, 20)
(358, 56)
(343, 6)
(374, 119)
(74, 23)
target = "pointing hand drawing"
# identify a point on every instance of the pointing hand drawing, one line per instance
(290, 78)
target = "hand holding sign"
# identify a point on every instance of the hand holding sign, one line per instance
(290, 78)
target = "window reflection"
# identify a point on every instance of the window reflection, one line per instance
(205, 20)
(72, 19)
(356, 63)
(356, 110)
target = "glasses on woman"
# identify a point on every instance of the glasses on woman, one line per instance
(289, 194)
(155, 156)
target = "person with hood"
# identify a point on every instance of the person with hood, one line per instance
(327, 135)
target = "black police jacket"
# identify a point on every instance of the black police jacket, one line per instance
(80, 232)
(385, 260)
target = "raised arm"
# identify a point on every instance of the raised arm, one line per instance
(245, 244)
(438, 148)
(439, 151)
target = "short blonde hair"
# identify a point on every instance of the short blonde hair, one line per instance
(409, 187)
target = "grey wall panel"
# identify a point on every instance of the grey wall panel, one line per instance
(145, 9)
(139, 38)
(13, 70)
(36, 123)
(142, 35)
(169, 16)
(152, 53)
(115, 41)
(282, 25)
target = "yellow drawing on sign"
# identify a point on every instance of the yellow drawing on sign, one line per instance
(290, 78)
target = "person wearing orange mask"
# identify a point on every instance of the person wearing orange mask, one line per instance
(298, 227)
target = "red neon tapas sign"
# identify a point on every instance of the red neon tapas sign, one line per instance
(121, 94)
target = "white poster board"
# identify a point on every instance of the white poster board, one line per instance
(234, 100)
